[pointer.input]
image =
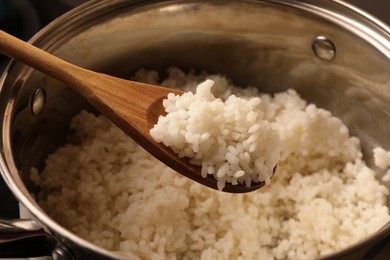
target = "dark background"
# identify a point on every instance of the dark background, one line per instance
(378, 8)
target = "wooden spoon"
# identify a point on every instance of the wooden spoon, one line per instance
(132, 106)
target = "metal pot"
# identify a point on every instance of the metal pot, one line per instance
(333, 54)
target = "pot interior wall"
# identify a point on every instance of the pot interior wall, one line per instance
(254, 43)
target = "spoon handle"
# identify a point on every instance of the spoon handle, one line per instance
(132, 106)
(42, 61)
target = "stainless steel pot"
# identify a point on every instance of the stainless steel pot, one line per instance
(333, 54)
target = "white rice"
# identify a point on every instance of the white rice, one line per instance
(382, 160)
(228, 139)
(323, 197)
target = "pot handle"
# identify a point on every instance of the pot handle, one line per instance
(22, 238)
(379, 251)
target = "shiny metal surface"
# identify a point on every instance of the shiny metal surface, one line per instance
(19, 225)
(324, 48)
(62, 253)
(20, 238)
(260, 43)
(38, 100)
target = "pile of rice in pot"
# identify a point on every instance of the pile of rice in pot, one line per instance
(323, 197)
(228, 139)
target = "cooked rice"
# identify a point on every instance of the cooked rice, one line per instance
(228, 139)
(382, 160)
(323, 197)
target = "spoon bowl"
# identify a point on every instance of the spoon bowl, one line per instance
(132, 106)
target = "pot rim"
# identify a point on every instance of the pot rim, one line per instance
(362, 23)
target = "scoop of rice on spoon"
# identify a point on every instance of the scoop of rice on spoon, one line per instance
(231, 150)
